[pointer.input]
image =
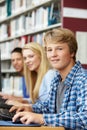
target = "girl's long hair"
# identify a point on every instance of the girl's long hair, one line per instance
(33, 79)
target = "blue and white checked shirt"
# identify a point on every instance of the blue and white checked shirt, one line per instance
(73, 112)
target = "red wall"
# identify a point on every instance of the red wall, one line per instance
(75, 24)
(75, 3)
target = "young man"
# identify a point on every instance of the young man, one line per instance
(17, 60)
(67, 102)
(17, 63)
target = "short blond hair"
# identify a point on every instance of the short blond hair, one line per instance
(62, 35)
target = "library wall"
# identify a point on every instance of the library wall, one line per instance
(23, 21)
(75, 15)
(75, 18)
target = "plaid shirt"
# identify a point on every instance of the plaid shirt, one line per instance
(73, 112)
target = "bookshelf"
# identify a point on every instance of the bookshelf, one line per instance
(23, 21)
(1, 1)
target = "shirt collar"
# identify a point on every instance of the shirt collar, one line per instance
(70, 77)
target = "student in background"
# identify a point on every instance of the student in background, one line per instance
(17, 60)
(18, 65)
(36, 72)
(67, 102)
(35, 67)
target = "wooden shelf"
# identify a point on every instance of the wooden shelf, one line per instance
(33, 32)
(45, 3)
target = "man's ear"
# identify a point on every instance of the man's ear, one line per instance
(72, 54)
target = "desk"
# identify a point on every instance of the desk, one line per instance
(31, 128)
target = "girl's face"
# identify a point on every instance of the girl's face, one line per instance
(59, 56)
(31, 59)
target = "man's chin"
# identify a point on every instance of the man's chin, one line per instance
(18, 71)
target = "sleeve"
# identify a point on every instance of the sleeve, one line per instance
(67, 119)
(45, 86)
(73, 119)
(25, 94)
(42, 105)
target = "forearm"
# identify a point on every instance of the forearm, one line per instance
(39, 107)
(67, 119)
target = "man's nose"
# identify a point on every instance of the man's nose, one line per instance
(53, 53)
(15, 62)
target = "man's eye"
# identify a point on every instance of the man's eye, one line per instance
(59, 48)
(49, 50)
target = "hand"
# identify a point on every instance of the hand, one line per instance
(5, 96)
(10, 97)
(16, 103)
(29, 117)
(23, 101)
(21, 108)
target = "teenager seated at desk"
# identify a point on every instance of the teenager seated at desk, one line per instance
(17, 63)
(36, 72)
(67, 102)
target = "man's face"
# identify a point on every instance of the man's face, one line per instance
(59, 56)
(17, 61)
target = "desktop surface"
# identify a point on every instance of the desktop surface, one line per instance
(17, 124)
(8, 125)
(31, 128)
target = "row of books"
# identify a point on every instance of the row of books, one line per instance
(35, 20)
(11, 7)
(8, 46)
(3, 11)
(12, 85)
(5, 65)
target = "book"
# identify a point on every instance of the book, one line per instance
(8, 3)
(53, 14)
